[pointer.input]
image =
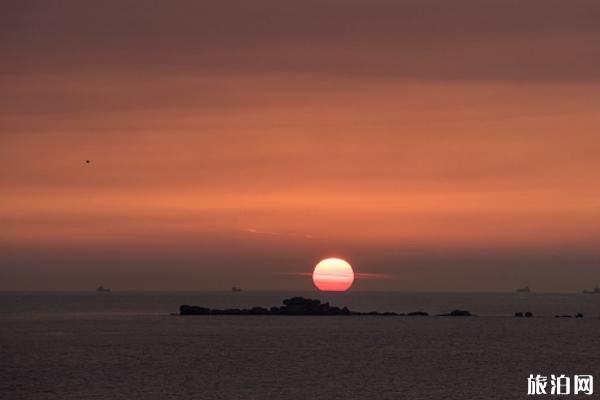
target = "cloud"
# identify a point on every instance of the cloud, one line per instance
(261, 232)
(373, 276)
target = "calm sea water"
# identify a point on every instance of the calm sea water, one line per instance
(123, 345)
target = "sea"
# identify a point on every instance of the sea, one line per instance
(129, 345)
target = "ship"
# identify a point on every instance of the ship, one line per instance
(596, 290)
(525, 289)
(102, 289)
(236, 289)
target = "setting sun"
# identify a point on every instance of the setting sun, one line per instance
(333, 275)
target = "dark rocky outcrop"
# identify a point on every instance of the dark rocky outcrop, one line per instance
(193, 310)
(528, 314)
(418, 314)
(578, 315)
(456, 313)
(291, 306)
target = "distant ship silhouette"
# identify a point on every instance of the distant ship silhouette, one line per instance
(236, 289)
(102, 289)
(525, 289)
(596, 290)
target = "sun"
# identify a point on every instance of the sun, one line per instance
(333, 275)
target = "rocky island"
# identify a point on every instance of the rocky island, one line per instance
(291, 306)
(304, 306)
(301, 306)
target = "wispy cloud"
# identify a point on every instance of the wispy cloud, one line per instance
(373, 276)
(357, 275)
(275, 233)
(261, 232)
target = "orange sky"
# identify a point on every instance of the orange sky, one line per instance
(449, 148)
